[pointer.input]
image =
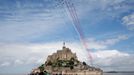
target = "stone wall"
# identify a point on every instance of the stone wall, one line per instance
(84, 72)
(64, 54)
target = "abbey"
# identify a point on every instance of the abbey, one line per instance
(65, 62)
(64, 54)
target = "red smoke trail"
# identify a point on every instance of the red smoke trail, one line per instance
(76, 22)
(81, 33)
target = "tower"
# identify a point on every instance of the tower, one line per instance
(64, 45)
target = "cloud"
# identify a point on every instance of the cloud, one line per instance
(105, 10)
(113, 60)
(21, 54)
(33, 55)
(29, 20)
(35, 19)
(115, 40)
(108, 7)
(20, 31)
(128, 21)
(18, 62)
(37, 53)
(109, 54)
(104, 44)
(5, 64)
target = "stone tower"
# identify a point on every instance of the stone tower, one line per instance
(64, 54)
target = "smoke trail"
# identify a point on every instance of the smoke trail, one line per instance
(77, 24)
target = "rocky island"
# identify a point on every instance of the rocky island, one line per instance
(65, 62)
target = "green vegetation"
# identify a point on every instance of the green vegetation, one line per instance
(84, 63)
(41, 68)
(63, 63)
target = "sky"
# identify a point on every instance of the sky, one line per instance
(30, 30)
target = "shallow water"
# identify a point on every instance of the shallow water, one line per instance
(118, 74)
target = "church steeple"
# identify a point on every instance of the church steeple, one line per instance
(64, 45)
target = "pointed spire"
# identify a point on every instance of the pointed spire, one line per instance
(64, 45)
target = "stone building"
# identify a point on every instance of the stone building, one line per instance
(64, 54)
(65, 62)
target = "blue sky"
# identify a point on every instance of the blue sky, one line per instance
(33, 29)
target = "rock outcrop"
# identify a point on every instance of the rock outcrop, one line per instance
(66, 62)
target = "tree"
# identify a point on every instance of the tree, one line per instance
(84, 63)
(41, 68)
(71, 67)
(71, 63)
